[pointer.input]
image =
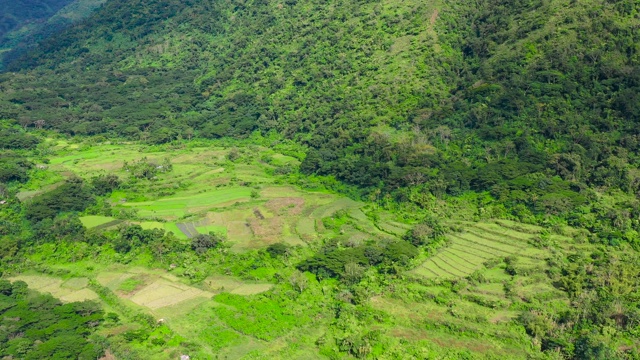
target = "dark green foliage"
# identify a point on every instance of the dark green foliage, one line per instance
(602, 288)
(14, 167)
(201, 243)
(71, 196)
(147, 169)
(427, 232)
(105, 184)
(590, 347)
(15, 139)
(332, 261)
(65, 227)
(277, 249)
(18, 13)
(37, 326)
(134, 236)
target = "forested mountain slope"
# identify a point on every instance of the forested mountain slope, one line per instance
(16, 14)
(178, 162)
(23, 23)
(533, 98)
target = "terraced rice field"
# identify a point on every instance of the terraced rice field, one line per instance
(479, 243)
(156, 289)
(205, 192)
(331, 208)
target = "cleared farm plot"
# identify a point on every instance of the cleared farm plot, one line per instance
(174, 207)
(306, 227)
(154, 290)
(188, 229)
(331, 208)
(479, 243)
(68, 291)
(159, 289)
(162, 292)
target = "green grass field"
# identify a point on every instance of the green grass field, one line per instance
(91, 221)
(175, 207)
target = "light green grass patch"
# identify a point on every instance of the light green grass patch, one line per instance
(148, 225)
(496, 274)
(306, 226)
(279, 160)
(91, 221)
(177, 206)
(130, 284)
(168, 227)
(221, 283)
(496, 289)
(218, 229)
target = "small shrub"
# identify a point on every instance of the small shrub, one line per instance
(277, 249)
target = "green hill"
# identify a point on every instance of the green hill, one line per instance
(490, 150)
(380, 91)
(25, 23)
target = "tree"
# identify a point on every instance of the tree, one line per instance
(105, 184)
(298, 281)
(71, 196)
(353, 272)
(277, 249)
(201, 243)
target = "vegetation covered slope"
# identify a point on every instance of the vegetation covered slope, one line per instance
(519, 110)
(16, 14)
(23, 24)
(382, 92)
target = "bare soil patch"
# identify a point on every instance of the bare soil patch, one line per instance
(286, 206)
